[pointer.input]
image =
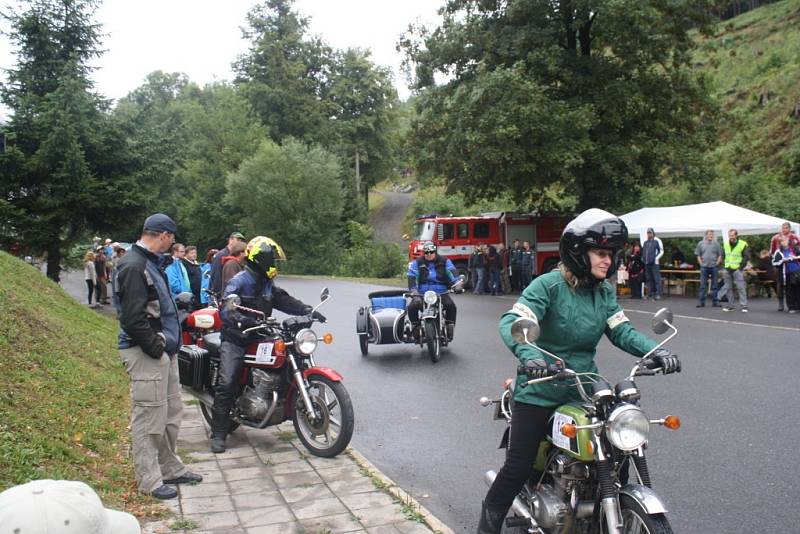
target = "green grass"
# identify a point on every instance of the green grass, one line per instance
(392, 282)
(184, 524)
(64, 404)
(376, 202)
(755, 54)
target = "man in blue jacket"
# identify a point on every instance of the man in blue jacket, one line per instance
(435, 273)
(149, 339)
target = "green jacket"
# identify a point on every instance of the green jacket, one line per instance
(571, 323)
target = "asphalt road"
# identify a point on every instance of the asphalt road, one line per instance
(730, 468)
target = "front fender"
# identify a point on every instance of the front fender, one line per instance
(645, 497)
(327, 372)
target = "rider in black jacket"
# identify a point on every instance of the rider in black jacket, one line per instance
(257, 290)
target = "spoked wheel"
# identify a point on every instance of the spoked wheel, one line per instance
(208, 416)
(363, 342)
(636, 521)
(329, 434)
(432, 340)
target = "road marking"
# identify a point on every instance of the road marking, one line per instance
(789, 328)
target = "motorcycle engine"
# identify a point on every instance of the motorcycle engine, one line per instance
(255, 400)
(550, 508)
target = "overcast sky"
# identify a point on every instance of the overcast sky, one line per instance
(202, 37)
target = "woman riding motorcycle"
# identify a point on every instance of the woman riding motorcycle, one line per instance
(574, 306)
(257, 290)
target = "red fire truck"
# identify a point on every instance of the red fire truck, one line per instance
(456, 237)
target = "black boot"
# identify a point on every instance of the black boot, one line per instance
(491, 519)
(416, 331)
(219, 431)
(450, 328)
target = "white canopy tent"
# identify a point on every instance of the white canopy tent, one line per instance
(695, 219)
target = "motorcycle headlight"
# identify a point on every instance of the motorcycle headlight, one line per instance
(627, 427)
(430, 297)
(305, 342)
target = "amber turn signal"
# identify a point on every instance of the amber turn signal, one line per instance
(327, 338)
(673, 422)
(280, 347)
(569, 430)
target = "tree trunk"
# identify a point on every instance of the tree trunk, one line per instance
(358, 172)
(585, 36)
(54, 261)
(566, 10)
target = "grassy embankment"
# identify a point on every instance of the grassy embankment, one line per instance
(753, 65)
(64, 404)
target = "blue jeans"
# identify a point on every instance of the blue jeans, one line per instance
(705, 272)
(494, 282)
(479, 283)
(653, 273)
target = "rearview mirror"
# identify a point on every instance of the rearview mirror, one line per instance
(325, 294)
(660, 320)
(231, 301)
(525, 330)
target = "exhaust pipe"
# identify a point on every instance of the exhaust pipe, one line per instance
(517, 506)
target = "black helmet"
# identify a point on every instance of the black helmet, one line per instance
(429, 246)
(185, 301)
(594, 228)
(262, 253)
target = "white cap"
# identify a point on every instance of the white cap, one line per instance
(60, 507)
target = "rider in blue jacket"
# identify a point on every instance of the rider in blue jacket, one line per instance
(256, 288)
(431, 272)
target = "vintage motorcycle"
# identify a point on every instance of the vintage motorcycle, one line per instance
(279, 380)
(581, 468)
(386, 321)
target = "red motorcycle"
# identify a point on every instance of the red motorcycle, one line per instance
(279, 380)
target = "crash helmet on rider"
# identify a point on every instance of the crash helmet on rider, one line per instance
(592, 229)
(428, 247)
(262, 253)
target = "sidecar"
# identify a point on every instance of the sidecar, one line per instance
(384, 321)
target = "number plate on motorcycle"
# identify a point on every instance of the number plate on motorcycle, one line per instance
(264, 353)
(559, 439)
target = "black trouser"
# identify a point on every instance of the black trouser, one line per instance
(528, 429)
(516, 278)
(415, 307)
(792, 292)
(90, 286)
(230, 368)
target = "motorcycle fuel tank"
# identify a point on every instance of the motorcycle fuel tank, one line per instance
(579, 447)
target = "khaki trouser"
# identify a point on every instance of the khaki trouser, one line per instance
(155, 417)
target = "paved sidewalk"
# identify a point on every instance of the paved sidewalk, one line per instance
(267, 483)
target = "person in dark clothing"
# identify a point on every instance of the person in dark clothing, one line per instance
(100, 287)
(678, 257)
(636, 272)
(215, 282)
(149, 339)
(193, 271)
(515, 264)
(256, 287)
(494, 265)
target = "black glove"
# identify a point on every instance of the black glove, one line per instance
(318, 316)
(246, 322)
(534, 368)
(668, 362)
(415, 294)
(157, 349)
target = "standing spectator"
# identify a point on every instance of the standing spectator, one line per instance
(736, 254)
(215, 284)
(505, 281)
(527, 265)
(515, 265)
(100, 286)
(176, 272)
(636, 271)
(709, 256)
(480, 270)
(774, 246)
(119, 252)
(652, 250)
(787, 260)
(205, 273)
(149, 339)
(767, 272)
(193, 272)
(494, 265)
(108, 249)
(234, 263)
(89, 274)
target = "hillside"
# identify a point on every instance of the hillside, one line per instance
(63, 392)
(753, 65)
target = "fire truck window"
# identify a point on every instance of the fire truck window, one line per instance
(445, 231)
(480, 230)
(462, 230)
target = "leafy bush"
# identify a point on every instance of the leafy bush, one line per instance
(368, 258)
